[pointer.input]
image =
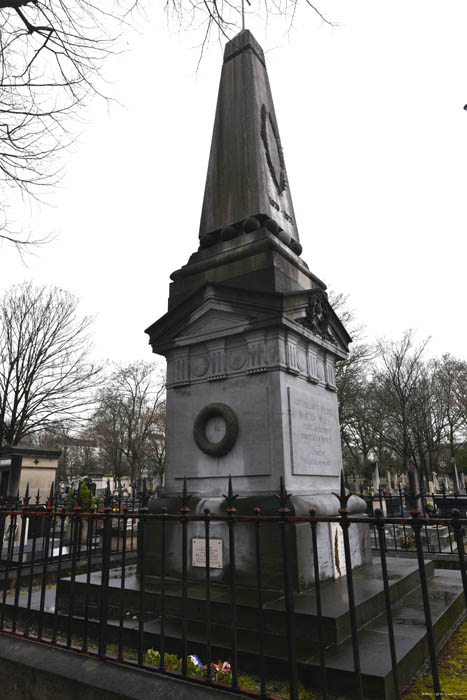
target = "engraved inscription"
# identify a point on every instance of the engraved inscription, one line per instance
(198, 551)
(274, 204)
(314, 432)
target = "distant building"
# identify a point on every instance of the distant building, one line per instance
(22, 465)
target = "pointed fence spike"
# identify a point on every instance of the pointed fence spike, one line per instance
(283, 496)
(184, 498)
(230, 498)
(282, 492)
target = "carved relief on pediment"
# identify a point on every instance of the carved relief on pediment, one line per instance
(318, 315)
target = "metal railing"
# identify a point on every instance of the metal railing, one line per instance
(119, 613)
(61, 530)
(437, 537)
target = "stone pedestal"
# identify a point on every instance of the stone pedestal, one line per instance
(251, 394)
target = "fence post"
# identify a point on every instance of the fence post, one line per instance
(230, 499)
(45, 562)
(459, 535)
(184, 510)
(106, 548)
(416, 527)
(140, 544)
(283, 499)
(345, 524)
(19, 567)
(322, 659)
(259, 589)
(387, 599)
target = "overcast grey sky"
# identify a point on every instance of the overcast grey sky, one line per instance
(375, 138)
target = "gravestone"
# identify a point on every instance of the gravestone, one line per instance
(375, 480)
(251, 341)
(455, 476)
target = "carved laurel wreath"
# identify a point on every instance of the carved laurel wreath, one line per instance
(213, 410)
(279, 178)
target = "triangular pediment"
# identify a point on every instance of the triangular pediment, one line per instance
(211, 322)
(218, 312)
(211, 312)
(313, 314)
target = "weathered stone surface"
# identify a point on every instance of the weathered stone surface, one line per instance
(314, 431)
(246, 172)
(258, 261)
(250, 328)
(251, 353)
(330, 552)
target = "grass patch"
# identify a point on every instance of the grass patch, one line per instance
(452, 669)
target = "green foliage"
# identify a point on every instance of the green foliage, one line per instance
(69, 501)
(85, 495)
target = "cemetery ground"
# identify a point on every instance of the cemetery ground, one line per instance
(452, 665)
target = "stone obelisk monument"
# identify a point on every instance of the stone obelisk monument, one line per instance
(250, 338)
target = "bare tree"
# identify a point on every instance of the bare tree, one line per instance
(219, 19)
(51, 60)
(129, 422)
(46, 375)
(353, 379)
(450, 390)
(398, 390)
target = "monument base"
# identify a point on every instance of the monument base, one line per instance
(330, 546)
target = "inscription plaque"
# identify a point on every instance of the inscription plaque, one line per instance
(314, 432)
(198, 553)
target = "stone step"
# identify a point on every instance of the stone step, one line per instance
(447, 608)
(369, 600)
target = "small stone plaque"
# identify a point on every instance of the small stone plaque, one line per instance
(198, 553)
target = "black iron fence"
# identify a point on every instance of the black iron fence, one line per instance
(189, 606)
(33, 534)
